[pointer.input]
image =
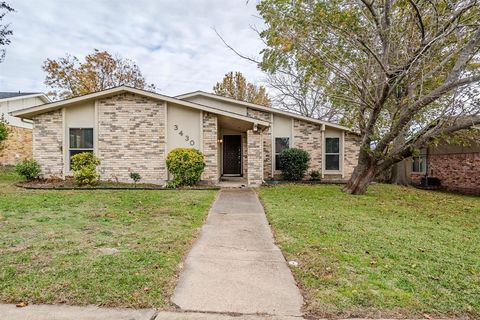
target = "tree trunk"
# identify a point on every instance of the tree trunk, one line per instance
(363, 174)
(361, 178)
(399, 176)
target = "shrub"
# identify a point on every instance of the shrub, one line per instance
(294, 162)
(186, 165)
(4, 131)
(315, 175)
(29, 169)
(135, 176)
(84, 167)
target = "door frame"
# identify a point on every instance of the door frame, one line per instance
(241, 156)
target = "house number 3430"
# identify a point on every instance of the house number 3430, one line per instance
(181, 133)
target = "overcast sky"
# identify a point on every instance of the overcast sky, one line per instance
(173, 42)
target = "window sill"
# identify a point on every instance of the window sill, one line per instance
(333, 172)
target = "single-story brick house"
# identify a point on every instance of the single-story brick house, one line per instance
(455, 167)
(132, 130)
(18, 145)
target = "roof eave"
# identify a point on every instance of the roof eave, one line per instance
(29, 113)
(263, 108)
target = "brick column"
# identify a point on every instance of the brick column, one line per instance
(254, 159)
(48, 143)
(210, 147)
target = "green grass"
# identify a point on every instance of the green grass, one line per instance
(393, 252)
(48, 242)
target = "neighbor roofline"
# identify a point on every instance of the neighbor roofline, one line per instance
(28, 113)
(262, 108)
(41, 95)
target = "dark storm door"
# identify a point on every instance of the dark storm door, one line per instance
(232, 154)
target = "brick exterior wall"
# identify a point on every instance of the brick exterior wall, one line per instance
(457, 172)
(210, 147)
(131, 138)
(267, 141)
(48, 143)
(308, 136)
(244, 155)
(254, 158)
(352, 149)
(17, 147)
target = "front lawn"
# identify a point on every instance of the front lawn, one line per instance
(61, 246)
(393, 252)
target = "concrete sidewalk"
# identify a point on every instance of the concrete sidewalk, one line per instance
(235, 267)
(64, 312)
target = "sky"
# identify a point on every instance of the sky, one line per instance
(173, 42)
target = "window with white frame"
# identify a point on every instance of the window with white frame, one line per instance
(419, 164)
(332, 153)
(80, 140)
(280, 145)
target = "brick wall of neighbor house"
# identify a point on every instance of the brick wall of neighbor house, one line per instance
(47, 143)
(457, 172)
(352, 149)
(17, 147)
(131, 138)
(267, 141)
(308, 136)
(254, 158)
(210, 147)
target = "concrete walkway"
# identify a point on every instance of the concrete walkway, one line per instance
(235, 267)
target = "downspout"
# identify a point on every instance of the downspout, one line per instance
(322, 150)
(426, 166)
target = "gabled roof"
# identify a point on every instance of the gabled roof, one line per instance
(8, 96)
(261, 108)
(29, 113)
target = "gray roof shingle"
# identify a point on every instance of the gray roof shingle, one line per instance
(6, 95)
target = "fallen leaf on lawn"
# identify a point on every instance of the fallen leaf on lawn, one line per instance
(373, 262)
(146, 289)
(22, 304)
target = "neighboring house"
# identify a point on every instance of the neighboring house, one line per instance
(18, 146)
(132, 130)
(455, 167)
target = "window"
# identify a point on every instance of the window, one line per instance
(419, 164)
(280, 145)
(81, 140)
(332, 153)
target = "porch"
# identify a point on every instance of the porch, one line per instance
(240, 152)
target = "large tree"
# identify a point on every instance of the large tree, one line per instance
(69, 77)
(234, 85)
(407, 70)
(5, 31)
(295, 90)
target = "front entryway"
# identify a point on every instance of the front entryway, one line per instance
(232, 154)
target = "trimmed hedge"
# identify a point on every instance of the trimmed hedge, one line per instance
(84, 167)
(29, 169)
(294, 162)
(186, 165)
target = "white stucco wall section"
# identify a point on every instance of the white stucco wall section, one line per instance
(18, 104)
(223, 105)
(183, 127)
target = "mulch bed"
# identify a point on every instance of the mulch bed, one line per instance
(306, 182)
(46, 184)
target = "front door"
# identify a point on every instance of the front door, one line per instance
(232, 155)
